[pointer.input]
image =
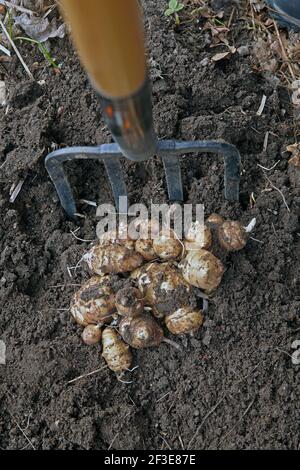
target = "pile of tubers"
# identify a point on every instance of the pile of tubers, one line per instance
(138, 284)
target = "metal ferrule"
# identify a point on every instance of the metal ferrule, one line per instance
(131, 123)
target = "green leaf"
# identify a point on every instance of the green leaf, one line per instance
(42, 49)
(173, 5)
(169, 12)
(180, 6)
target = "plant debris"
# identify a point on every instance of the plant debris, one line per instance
(275, 51)
(40, 29)
(35, 19)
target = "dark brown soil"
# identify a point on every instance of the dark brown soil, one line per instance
(234, 385)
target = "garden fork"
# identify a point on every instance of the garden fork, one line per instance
(110, 40)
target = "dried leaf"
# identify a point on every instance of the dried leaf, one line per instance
(220, 56)
(40, 29)
(263, 55)
(204, 12)
(295, 151)
(295, 161)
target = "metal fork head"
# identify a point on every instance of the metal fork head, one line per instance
(170, 152)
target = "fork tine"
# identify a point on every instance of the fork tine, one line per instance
(173, 177)
(54, 165)
(168, 150)
(115, 174)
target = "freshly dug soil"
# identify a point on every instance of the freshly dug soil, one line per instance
(234, 385)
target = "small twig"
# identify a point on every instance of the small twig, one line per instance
(111, 444)
(59, 286)
(16, 50)
(126, 382)
(285, 56)
(69, 272)
(279, 190)
(87, 375)
(23, 448)
(80, 239)
(28, 421)
(16, 191)
(60, 309)
(262, 106)
(133, 369)
(269, 169)
(26, 437)
(52, 8)
(266, 141)
(231, 17)
(181, 442)
(172, 343)
(256, 240)
(164, 396)
(255, 130)
(204, 420)
(120, 375)
(238, 422)
(253, 19)
(78, 264)
(181, 243)
(284, 352)
(164, 440)
(89, 203)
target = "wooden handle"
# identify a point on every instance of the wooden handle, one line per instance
(110, 39)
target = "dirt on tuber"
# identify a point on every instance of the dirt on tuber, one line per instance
(141, 332)
(94, 303)
(232, 235)
(130, 302)
(162, 286)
